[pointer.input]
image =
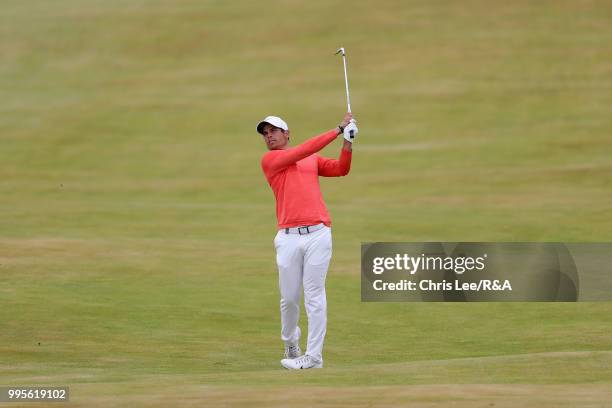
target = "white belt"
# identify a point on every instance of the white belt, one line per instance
(307, 229)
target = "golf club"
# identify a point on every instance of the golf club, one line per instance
(348, 97)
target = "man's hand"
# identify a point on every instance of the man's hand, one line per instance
(347, 119)
(350, 131)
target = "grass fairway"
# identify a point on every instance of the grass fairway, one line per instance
(136, 227)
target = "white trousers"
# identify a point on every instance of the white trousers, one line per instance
(302, 262)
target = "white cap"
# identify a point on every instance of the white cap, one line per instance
(274, 121)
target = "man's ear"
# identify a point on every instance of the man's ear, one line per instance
(288, 134)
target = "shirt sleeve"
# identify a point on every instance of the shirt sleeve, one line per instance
(335, 168)
(278, 159)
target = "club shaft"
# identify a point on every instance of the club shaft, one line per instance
(348, 96)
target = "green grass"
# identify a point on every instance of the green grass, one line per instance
(136, 227)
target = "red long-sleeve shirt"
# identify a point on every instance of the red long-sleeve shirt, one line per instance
(294, 174)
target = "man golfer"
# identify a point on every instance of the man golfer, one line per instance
(303, 242)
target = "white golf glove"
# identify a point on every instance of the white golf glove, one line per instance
(350, 131)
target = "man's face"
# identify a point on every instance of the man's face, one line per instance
(274, 137)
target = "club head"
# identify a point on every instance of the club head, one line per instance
(341, 50)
